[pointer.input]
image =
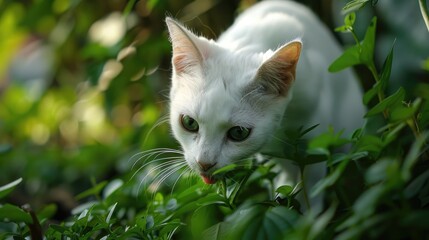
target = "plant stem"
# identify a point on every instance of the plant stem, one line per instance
(355, 36)
(304, 190)
(424, 11)
(380, 94)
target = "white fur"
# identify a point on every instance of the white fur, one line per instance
(211, 88)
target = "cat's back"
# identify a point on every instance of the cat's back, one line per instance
(268, 24)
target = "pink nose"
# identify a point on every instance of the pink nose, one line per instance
(205, 166)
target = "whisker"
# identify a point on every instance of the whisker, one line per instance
(175, 182)
(154, 152)
(166, 173)
(168, 159)
(162, 165)
(159, 122)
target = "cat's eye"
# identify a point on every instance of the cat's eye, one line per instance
(189, 123)
(238, 133)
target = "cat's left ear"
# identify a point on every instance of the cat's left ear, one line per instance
(188, 50)
(277, 74)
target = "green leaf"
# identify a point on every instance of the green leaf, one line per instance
(6, 189)
(320, 224)
(354, 6)
(305, 131)
(237, 188)
(13, 213)
(349, 58)
(387, 69)
(392, 134)
(417, 184)
(225, 169)
(200, 222)
(388, 102)
(327, 140)
(370, 143)
(342, 29)
(371, 93)
(112, 187)
(315, 155)
(364, 206)
(401, 113)
(382, 170)
(47, 212)
(331, 179)
(285, 190)
(112, 209)
(96, 190)
(413, 155)
(350, 19)
(256, 222)
(368, 44)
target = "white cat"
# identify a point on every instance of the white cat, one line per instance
(235, 97)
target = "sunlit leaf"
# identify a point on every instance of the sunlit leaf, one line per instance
(354, 6)
(111, 187)
(111, 210)
(6, 189)
(342, 29)
(350, 19)
(285, 190)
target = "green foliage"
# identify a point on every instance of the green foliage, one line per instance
(83, 136)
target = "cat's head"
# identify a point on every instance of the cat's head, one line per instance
(225, 105)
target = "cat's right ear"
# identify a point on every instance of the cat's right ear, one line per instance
(188, 50)
(277, 73)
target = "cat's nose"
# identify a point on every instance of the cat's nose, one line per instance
(205, 166)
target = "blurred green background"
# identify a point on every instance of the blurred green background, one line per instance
(82, 83)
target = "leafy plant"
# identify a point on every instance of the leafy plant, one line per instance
(379, 188)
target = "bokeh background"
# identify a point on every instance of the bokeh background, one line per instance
(83, 83)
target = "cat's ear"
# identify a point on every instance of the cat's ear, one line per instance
(188, 50)
(277, 73)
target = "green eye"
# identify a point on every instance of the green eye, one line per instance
(189, 123)
(238, 133)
